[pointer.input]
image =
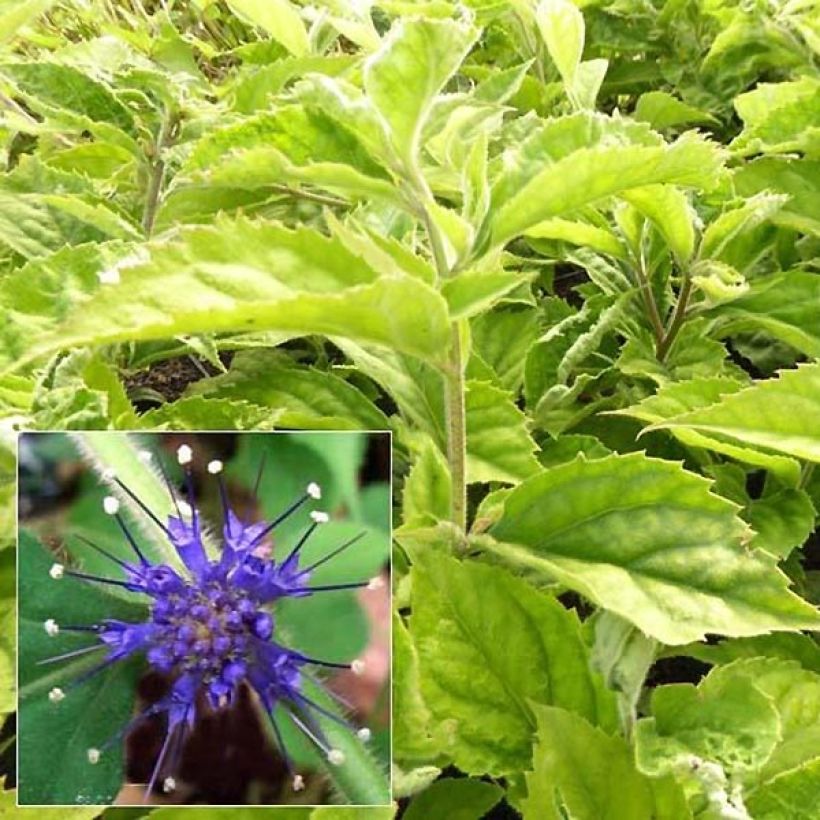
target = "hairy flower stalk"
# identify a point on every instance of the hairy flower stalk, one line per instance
(210, 628)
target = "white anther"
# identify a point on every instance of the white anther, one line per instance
(52, 628)
(184, 507)
(56, 571)
(109, 277)
(215, 466)
(93, 756)
(336, 757)
(357, 667)
(145, 456)
(56, 695)
(111, 505)
(364, 734)
(375, 583)
(314, 490)
(320, 517)
(184, 454)
(169, 784)
(298, 783)
(109, 474)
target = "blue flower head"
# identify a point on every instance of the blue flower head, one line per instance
(210, 627)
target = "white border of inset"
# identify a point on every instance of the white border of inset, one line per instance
(150, 433)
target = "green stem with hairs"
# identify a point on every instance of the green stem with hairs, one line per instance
(676, 322)
(156, 173)
(454, 389)
(650, 305)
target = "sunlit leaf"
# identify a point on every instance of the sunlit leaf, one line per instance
(647, 540)
(489, 645)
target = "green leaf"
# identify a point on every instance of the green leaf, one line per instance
(662, 110)
(502, 338)
(647, 540)
(795, 695)
(299, 397)
(416, 387)
(410, 782)
(723, 720)
(781, 521)
(30, 227)
(89, 714)
(488, 645)
(462, 799)
(243, 154)
(279, 19)
(775, 414)
(794, 794)
(735, 221)
(69, 88)
(587, 83)
(255, 85)
(579, 233)
(589, 175)
(567, 447)
(785, 306)
(200, 413)
(18, 14)
(474, 292)
(240, 275)
(581, 772)
(383, 253)
(623, 655)
(793, 647)
(428, 487)
(239, 813)
(82, 392)
(674, 399)
(412, 728)
(669, 209)
(499, 448)
(8, 643)
(8, 802)
(796, 177)
(403, 78)
(779, 118)
(562, 26)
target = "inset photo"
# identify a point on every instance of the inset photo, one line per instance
(204, 618)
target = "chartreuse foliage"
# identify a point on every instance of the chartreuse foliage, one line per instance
(567, 252)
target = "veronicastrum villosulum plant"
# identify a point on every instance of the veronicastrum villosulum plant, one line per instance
(207, 619)
(568, 254)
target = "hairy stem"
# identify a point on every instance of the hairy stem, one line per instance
(456, 429)
(676, 322)
(157, 172)
(649, 302)
(456, 424)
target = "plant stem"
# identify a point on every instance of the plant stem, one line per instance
(310, 196)
(456, 429)
(456, 423)
(157, 172)
(649, 302)
(677, 319)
